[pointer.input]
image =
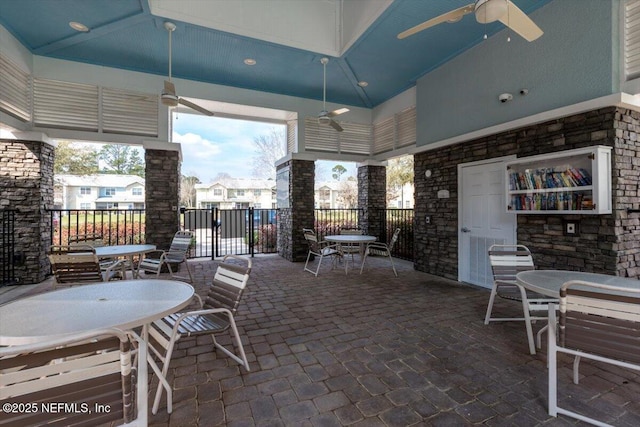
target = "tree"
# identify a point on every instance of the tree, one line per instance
(121, 159)
(270, 148)
(75, 159)
(399, 173)
(188, 190)
(338, 170)
(348, 193)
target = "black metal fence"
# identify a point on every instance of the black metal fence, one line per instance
(220, 232)
(117, 227)
(331, 221)
(7, 246)
(217, 232)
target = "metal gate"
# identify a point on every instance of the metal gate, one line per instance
(7, 246)
(220, 232)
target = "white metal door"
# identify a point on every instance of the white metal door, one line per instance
(483, 219)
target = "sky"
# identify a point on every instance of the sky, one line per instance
(213, 145)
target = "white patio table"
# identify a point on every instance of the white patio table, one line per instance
(124, 304)
(129, 251)
(351, 239)
(548, 282)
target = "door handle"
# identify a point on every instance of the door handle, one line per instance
(465, 230)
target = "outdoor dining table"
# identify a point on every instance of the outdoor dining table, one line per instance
(549, 282)
(351, 239)
(128, 251)
(125, 305)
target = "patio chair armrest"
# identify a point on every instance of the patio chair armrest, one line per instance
(157, 252)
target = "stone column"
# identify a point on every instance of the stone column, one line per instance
(372, 190)
(26, 186)
(298, 212)
(162, 188)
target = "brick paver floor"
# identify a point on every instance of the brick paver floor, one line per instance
(376, 350)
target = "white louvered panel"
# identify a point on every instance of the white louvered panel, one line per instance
(65, 105)
(406, 126)
(632, 39)
(292, 127)
(355, 138)
(383, 135)
(319, 138)
(15, 90)
(130, 113)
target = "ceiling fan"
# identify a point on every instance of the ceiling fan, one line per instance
(325, 117)
(486, 11)
(168, 96)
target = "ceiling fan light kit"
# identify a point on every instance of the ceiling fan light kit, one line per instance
(488, 11)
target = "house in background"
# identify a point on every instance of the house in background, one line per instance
(402, 198)
(100, 191)
(237, 193)
(336, 195)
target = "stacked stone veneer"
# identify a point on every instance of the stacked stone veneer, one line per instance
(26, 186)
(300, 213)
(372, 191)
(162, 189)
(606, 243)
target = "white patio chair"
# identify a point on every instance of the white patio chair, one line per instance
(176, 255)
(78, 264)
(351, 248)
(597, 322)
(95, 240)
(321, 249)
(507, 261)
(215, 316)
(381, 249)
(91, 368)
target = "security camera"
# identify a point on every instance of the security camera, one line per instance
(505, 97)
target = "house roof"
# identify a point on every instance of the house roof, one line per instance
(98, 180)
(240, 183)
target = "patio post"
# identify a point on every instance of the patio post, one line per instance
(372, 191)
(162, 192)
(26, 184)
(295, 185)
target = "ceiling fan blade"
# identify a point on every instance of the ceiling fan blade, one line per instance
(453, 16)
(337, 112)
(195, 107)
(335, 125)
(520, 23)
(169, 87)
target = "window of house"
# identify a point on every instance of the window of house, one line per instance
(136, 191)
(110, 191)
(257, 192)
(209, 205)
(399, 204)
(85, 190)
(239, 193)
(257, 206)
(407, 204)
(217, 191)
(85, 205)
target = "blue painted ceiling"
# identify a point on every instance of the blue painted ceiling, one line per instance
(124, 34)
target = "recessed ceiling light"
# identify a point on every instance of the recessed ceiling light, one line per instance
(363, 84)
(79, 27)
(250, 61)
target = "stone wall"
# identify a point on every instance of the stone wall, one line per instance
(300, 214)
(606, 243)
(162, 188)
(26, 186)
(372, 192)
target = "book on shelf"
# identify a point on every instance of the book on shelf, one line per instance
(545, 178)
